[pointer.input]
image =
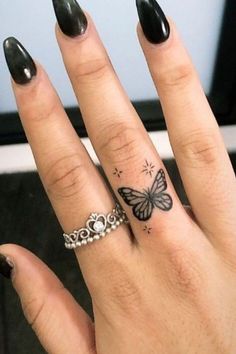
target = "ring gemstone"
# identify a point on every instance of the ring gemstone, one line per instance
(99, 226)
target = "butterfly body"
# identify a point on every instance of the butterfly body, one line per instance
(143, 203)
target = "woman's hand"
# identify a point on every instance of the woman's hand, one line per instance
(169, 286)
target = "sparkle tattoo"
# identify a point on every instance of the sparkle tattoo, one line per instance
(148, 168)
(117, 173)
(147, 229)
(143, 203)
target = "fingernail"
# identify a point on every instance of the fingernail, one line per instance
(70, 17)
(6, 267)
(153, 21)
(20, 63)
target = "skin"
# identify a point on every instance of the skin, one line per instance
(171, 292)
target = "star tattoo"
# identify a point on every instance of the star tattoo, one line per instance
(117, 173)
(148, 168)
(147, 229)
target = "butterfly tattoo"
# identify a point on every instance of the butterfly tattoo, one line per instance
(143, 203)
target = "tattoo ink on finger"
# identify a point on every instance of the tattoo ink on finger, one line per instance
(147, 229)
(148, 168)
(117, 173)
(143, 203)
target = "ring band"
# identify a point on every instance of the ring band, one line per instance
(97, 227)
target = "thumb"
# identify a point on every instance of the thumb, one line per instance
(60, 323)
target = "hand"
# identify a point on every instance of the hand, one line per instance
(169, 285)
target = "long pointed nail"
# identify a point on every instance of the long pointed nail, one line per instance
(153, 21)
(20, 63)
(6, 266)
(70, 17)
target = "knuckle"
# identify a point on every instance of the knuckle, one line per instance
(124, 289)
(125, 292)
(65, 177)
(176, 77)
(41, 109)
(199, 149)
(119, 143)
(119, 286)
(93, 69)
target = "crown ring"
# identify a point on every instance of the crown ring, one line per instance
(96, 227)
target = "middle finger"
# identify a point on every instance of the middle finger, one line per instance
(118, 135)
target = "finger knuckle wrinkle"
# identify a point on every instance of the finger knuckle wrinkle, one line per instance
(177, 76)
(199, 149)
(184, 275)
(45, 110)
(66, 177)
(33, 310)
(93, 68)
(125, 293)
(120, 144)
(37, 308)
(121, 288)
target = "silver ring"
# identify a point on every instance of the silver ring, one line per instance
(97, 226)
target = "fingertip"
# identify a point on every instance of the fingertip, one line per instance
(63, 38)
(147, 45)
(11, 250)
(10, 254)
(26, 268)
(6, 266)
(19, 61)
(38, 92)
(33, 83)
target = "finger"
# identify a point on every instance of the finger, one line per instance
(70, 179)
(60, 323)
(201, 155)
(120, 140)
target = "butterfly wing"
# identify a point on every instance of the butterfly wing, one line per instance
(159, 184)
(131, 196)
(144, 203)
(142, 206)
(143, 211)
(161, 200)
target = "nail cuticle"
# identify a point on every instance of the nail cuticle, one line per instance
(28, 85)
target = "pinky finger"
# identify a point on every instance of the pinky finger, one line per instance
(59, 322)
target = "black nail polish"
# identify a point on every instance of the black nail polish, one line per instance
(20, 63)
(70, 17)
(5, 267)
(153, 21)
